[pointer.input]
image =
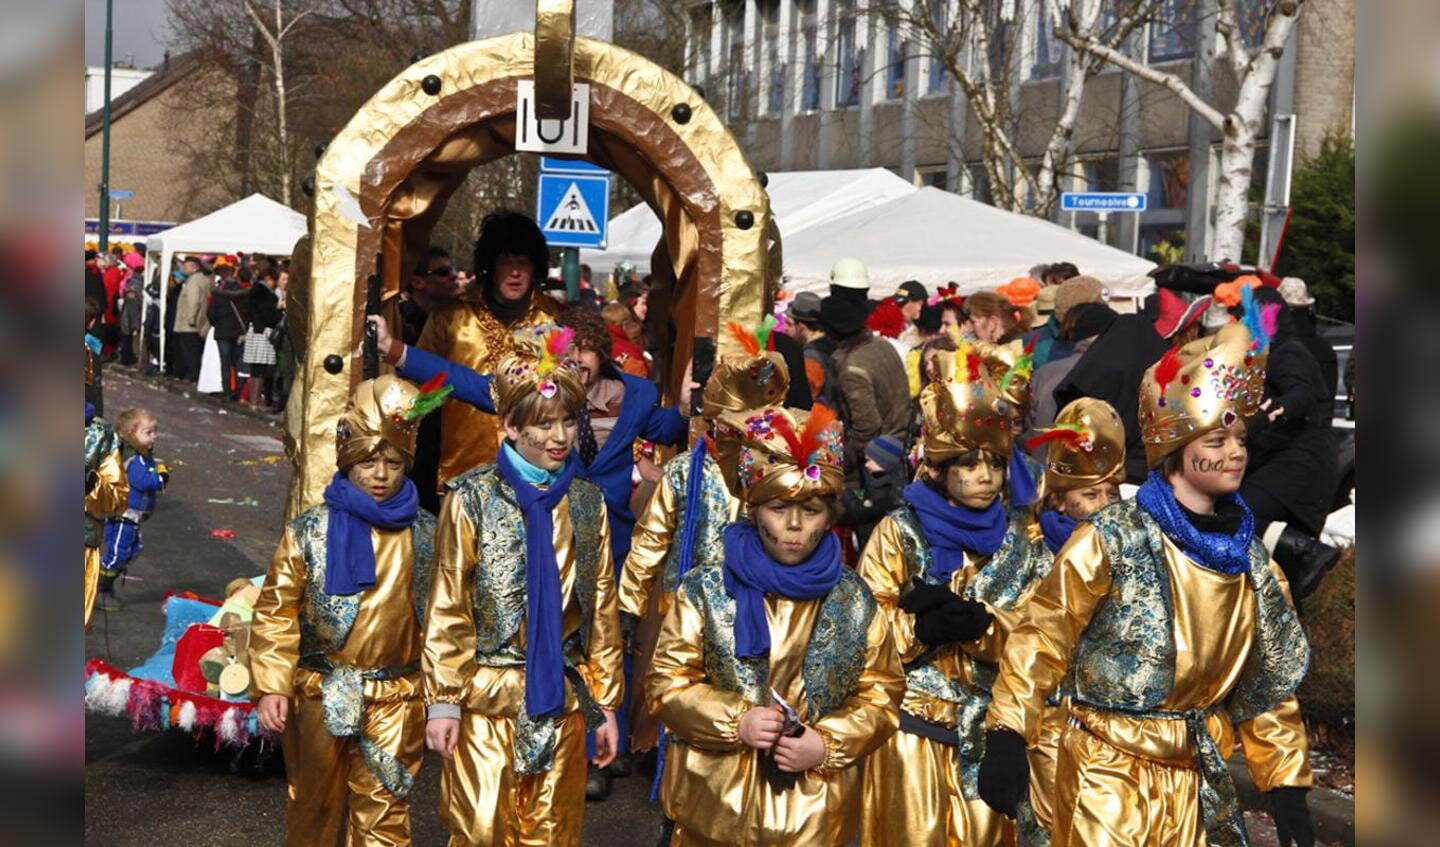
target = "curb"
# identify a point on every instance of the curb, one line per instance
(187, 390)
(1332, 812)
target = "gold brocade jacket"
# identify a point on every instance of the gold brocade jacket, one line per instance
(1161, 657)
(108, 490)
(474, 654)
(949, 685)
(468, 334)
(655, 550)
(832, 658)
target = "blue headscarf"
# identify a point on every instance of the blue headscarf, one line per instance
(544, 659)
(1228, 554)
(951, 530)
(750, 574)
(349, 555)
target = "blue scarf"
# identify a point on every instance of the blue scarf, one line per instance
(349, 555)
(750, 574)
(1057, 527)
(951, 530)
(544, 659)
(1022, 481)
(1228, 554)
(690, 524)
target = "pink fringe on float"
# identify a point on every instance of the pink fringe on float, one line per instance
(153, 707)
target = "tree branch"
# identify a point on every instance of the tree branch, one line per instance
(1170, 81)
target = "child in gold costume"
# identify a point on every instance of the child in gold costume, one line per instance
(336, 637)
(522, 649)
(1084, 466)
(778, 624)
(949, 569)
(1170, 632)
(107, 490)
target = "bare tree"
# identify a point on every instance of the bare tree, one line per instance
(977, 42)
(274, 32)
(1240, 125)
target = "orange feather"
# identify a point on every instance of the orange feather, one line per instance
(747, 340)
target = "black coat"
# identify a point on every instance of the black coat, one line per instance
(1295, 458)
(264, 307)
(794, 356)
(229, 312)
(1111, 370)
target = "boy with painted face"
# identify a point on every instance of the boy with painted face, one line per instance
(948, 570)
(774, 672)
(337, 634)
(1012, 366)
(1170, 631)
(522, 649)
(1084, 466)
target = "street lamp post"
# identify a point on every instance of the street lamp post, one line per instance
(105, 136)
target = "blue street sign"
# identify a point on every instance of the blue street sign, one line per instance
(121, 194)
(552, 165)
(572, 210)
(1103, 201)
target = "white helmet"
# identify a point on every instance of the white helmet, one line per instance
(850, 273)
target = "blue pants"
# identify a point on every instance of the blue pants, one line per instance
(120, 547)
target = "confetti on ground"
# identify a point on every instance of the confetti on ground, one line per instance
(222, 533)
(224, 502)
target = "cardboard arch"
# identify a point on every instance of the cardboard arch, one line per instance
(383, 182)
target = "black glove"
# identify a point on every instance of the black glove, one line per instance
(956, 620)
(1004, 771)
(923, 597)
(1292, 817)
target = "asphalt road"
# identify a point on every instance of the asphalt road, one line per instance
(148, 789)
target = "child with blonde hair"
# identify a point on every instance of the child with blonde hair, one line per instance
(138, 429)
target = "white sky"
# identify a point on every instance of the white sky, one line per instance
(141, 27)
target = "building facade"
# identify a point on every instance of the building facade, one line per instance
(827, 84)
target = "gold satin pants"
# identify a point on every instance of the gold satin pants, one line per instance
(1105, 796)
(484, 803)
(912, 799)
(92, 580)
(1044, 757)
(331, 789)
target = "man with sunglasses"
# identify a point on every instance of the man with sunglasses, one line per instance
(435, 285)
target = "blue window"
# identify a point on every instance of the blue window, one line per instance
(895, 65)
(939, 16)
(1173, 33)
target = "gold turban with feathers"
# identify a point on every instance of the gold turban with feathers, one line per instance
(1086, 446)
(1209, 383)
(788, 454)
(539, 364)
(385, 410)
(963, 409)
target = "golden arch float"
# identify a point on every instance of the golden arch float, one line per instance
(383, 181)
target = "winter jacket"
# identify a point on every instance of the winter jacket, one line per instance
(264, 307)
(229, 311)
(190, 306)
(875, 391)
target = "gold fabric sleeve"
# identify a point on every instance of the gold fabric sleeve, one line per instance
(872, 714)
(275, 629)
(1277, 749)
(701, 714)
(1039, 649)
(112, 488)
(448, 660)
(882, 566)
(655, 532)
(602, 667)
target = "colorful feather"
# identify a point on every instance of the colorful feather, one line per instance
(557, 343)
(1254, 320)
(973, 365)
(812, 435)
(1070, 434)
(744, 338)
(1168, 368)
(1022, 369)
(432, 395)
(781, 425)
(762, 335)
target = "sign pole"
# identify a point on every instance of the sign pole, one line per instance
(1104, 231)
(570, 272)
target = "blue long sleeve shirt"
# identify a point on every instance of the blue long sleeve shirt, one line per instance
(641, 418)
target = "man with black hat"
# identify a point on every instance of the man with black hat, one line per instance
(803, 325)
(874, 390)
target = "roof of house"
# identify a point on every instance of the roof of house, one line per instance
(174, 70)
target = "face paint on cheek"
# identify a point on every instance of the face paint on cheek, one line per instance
(1203, 465)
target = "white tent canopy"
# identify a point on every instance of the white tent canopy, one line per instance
(798, 200)
(937, 237)
(256, 224)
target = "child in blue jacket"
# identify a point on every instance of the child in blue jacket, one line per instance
(138, 428)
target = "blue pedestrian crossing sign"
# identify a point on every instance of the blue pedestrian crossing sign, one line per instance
(573, 209)
(1103, 201)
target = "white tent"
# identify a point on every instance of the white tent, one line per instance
(798, 200)
(256, 224)
(937, 237)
